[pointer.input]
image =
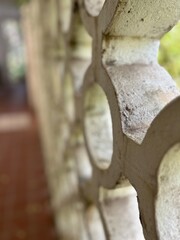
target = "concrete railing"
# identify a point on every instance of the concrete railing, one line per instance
(109, 115)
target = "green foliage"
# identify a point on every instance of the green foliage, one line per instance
(21, 2)
(169, 54)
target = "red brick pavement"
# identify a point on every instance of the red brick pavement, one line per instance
(25, 212)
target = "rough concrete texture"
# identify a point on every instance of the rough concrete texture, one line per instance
(142, 92)
(150, 19)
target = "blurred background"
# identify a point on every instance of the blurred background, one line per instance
(169, 53)
(25, 211)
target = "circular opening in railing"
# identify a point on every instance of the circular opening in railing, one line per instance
(169, 53)
(94, 7)
(98, 126)
(120, 212)
(168, 201)
(68, 99)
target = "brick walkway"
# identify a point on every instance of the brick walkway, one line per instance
(24, 201)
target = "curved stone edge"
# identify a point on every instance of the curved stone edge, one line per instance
(143, 162)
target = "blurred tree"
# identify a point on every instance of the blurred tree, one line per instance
(169, 53)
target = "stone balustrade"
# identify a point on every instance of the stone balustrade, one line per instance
(109, 117)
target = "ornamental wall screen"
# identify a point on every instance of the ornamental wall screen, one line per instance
(112, 118)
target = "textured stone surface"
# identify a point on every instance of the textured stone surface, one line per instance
(139, 19)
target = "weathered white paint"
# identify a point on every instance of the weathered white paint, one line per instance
(126, 50)
(150, 19)
(142, 92)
